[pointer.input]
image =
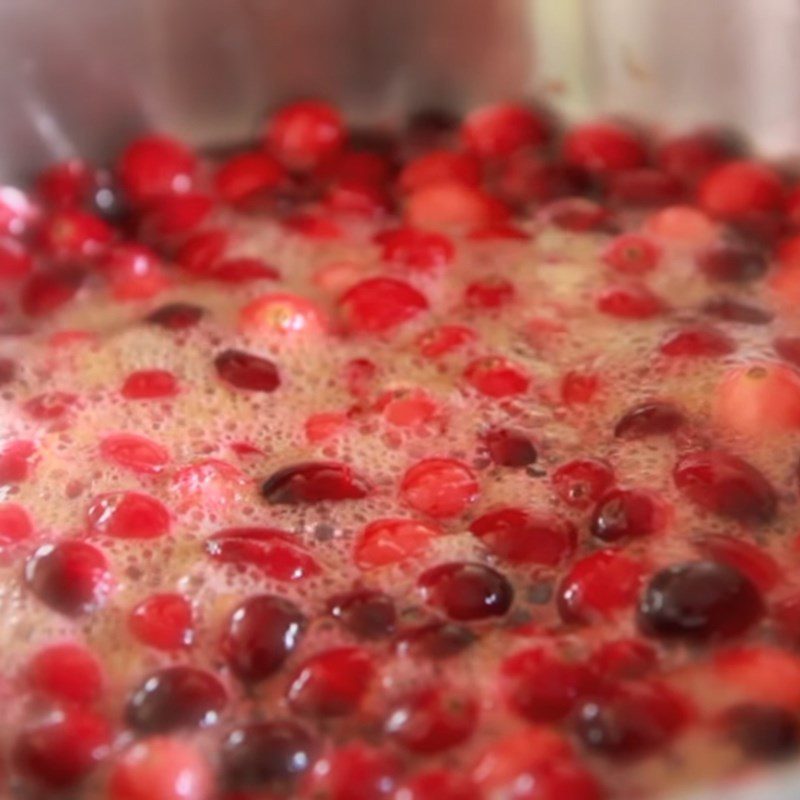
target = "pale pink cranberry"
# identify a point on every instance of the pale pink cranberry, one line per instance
(443, 339)
(49, 406)
(314, 482)
(681, 225)
(211, 481)
(46, 292)
(436, 166)
(643, 188)
(155, 165)
(354, 771)
(575, 214)
(17, 458)
(524, 536)
(378, 305)
(581, 482)
(163, 621)
(66, 184)
(689, 157)
(435, 640)
(66, 672)
(760, 672)
(331, 683)
(489, 293)
(726, 485)
(757, 564)
(603, 147)
(632, 254)
(653, 418)
(509, 448)
(134, 452)
(732, 262)
(261, 634)
(496, 377)
(498, 131)
(366, 613)
(324, 426)
(579, 388)
(415, 249)
(72, 234)
(128, 515)
(406, 407)
(627, 513)
(304, 135)
(15, 524)
(452, 204)
(736, 188)
(133, 272)
(281, 313)
(785, 613)
(246, 371)
(176, 316)
(439, 487)
(757, 398)
(438, 784)
(599, 585)
(247, 175)
(624, 659)
(697, 341)
(149, 384)
(15, 260)
(630, 302)
(62, 750)
(466, 591)
(390, 541)
(160, 768)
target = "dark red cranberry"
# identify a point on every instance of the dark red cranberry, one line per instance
(632, 301)
(246, 371)
(739, 553)
(624, 513)
(71, 577)
(726, 485)
(177, 316)
(432, 719)
(436, 640)
(697, 341)
(46, 292)
(266, 755)
(261, 634)
(649, 419)
(467, 591)
(367, 613)
(733, 263)
(764, 732)
(528, 177)
(163, 621)
(509, 448)
(737, 188)
(690, 156)
(644, 188)
(580, 483)
(699, 600)
(313, 482)
(733, 311)
(173, 698)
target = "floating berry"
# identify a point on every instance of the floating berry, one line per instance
(366, 613)
(74, 234)
(66, 672)
(415, 249)
(736, 188)
(390, 541)
(133, 452)
(128, 515)
(452, 204)
(603, 147)
(654, 418)
(246, 371)
(435, 640)
(630, 302)
(133, 272)
(437, 342)
(304, 135)
(15, 260)
(579, 388)
(466, 591)
(314, 482)
(509, 448)
(377, 305)
(163, 621)
(489, 293)
(580, 483)
(500, 130)
(439, 487)
(354, 771)
(149, 384)
(156, 165)
(496, 377)
(15, 524)
(697, 341)
(437, 166)
(689, 157)
(632, 254)
(176, 316)
(46, 292)
(626, 513)
(247, 175)
(280, 313)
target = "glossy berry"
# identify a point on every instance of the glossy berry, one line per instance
(266, 755)
(390, 541)
(602, 147)
(509, 448)
(736, 188)
(149, 384)
(261, 634)
(699, 600)
(626, 513)
(652, 418)
(496, 377)
(46, 292)
(71, 577)
(726, 485)
(163, 621)
(415, 249)
(644, 187)
(580, 483)
(155, 165)
(247, 175)
(313, 482)
(763, 732)
(66, 184)
(66, 672)
(378, 305)
(133, 452)
(174, 698)
(282, 313)
(500, 130)
(439, 487)
(630, 302)
(246, 371)
(732, 263)
(435, 640)
(697, 341)
(128, 515)
(754, 562)
(366, 613)
(526, 536)
(304, 135)
(354, 771)
(632, 254)
(74, 234)
(176, 316)
(466, 591)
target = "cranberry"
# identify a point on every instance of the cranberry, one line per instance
(438, 784)
(355, 772)
(389, 541)
(726, 485)
(603, 147)
(652, 418)
(15, 524)
(526, 537)
(46, 292)
(578, 388)
(762, 673)
(439, 487)
(576, 214)
(416, 249)
(580, 483)
(74, 234)
(314, 482)
(452, 204)
(435, 640)
(61, 751)
(624, 513)
(167, 219)
(163, 621)
(526, 178)
(128, 515)
(67, 672)
(320, 228)
(623, 659)
(437, 342)
(697, 341)
(361, 166)
(498, 131)
(691, 156)
(261, 634)
(16, 461)
(366, 613)
(632, 254)
(406, 407)
(200, 254)
(156, 165)
(149, 384)
(49, 406)
(760, 567)
(133, 272)
(173, 698)
(161, 768)
(732, 262)
(133, 452)
(176, 316)
(495, 376)
(15, 260)
(280, 313)
(377, 305)
(699, 600)
(788, 348)
(681, 225)
(489, 293)
(67, 184)
(71, 577)
(466, 591)
(266, 755)
(304, 135)
(246, 371)
(436, 166)
(643, 187)
(598, 586)
(734, 189)
(509, 448)
(247, 175)
(630, 302)
(242, 270)
(763, 732)
(331, 683)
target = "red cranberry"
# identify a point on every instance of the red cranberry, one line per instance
(149, 384)
(377, 305)
(16, 461)
(246, 175)
(526, 537)
(416, 249)
(452, 204)
(389, 541)
(761, 672)
(331, 683)
(489, 293)
(578, 388)
(134, 452)
(623, 659)
(46, 292)
(246, 371)
(732, 263)
(15, 260)
(466, 591)
(435, 640)
(361, 166)
(280, 312)
(67, 672)
(580, 483)
(691, 156)
(354, 772)
(200, 254)
(408, 407)
(163, 621)
(15, 524)
(313, 482)
(71, 577)
(734, 189)
(498, 131)
(763, 732)
(61, 751)
(156, 165)
(65, 185)
(624, 513)
(304, 135)
(598, 586)
(697, 341)
(759, 566)
(133, 272)
(128, 515)
(439, 487)
(725, 484)
(630, 302)
(526, 178)
(266, 755)
(603, 147)
(788, 348)
(167, 219)
(438, 784)
(366, 613)
(173, 698)
(436, 166)
(653, 418)
(642, 188)
(699, 600)
(437, 342)
(74, 234)
(262, 633)
(576, 214)
(632, 254)
(509, 448)
(176, 316)
(495, 376)
(49, 406)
